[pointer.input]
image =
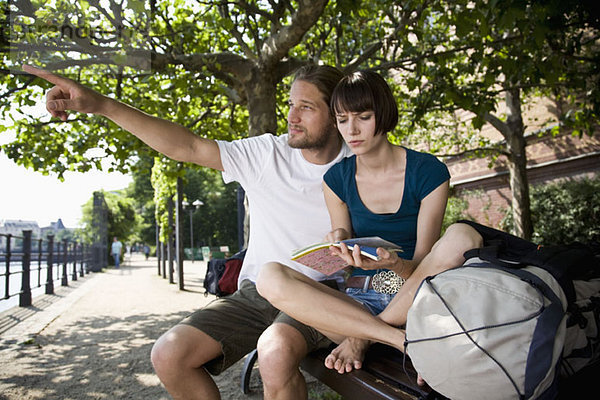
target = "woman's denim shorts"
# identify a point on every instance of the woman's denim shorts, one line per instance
(371, 299)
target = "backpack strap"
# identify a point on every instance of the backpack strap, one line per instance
(494, 251)
(556, 260)
(510, 246)
(510, 251)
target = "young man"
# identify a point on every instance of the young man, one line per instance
(115, 249)
(282, 177)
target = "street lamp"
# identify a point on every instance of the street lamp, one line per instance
(196, 204)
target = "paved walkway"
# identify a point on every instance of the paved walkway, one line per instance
(92, 340)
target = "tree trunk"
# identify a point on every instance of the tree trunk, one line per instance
(261, 91)
(261, 94)
(517, 166)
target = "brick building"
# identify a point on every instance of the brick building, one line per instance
(548, 159)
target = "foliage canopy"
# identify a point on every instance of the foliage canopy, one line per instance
(221, 68)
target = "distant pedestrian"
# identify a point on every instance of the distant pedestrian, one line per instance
(115, 250)
(146, 251)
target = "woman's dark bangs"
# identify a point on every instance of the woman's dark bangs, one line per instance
(354, 97)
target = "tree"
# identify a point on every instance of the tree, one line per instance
(212, 66)
(142, 192)
(215, 222)
(471, 54)
(122, 219)
(164, 181)
(230, 52)
(567, 211)
(221, 67)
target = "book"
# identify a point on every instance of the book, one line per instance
(318, 256)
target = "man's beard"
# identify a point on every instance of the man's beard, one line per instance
(305, 142)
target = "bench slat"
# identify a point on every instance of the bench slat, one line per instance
(382, 376)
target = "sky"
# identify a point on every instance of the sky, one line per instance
(31, 196)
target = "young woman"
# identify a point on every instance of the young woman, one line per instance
(383, 190)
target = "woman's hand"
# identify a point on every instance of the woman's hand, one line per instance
(337, 235)
(387, 259)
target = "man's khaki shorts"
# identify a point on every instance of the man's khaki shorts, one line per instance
(237, 321)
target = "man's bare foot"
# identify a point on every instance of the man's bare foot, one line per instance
(348, 355)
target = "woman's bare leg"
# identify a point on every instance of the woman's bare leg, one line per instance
(445, 254)
(323, 308)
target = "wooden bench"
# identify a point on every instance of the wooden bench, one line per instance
(385, 375)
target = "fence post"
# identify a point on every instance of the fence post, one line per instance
(74, 259)
(49, 277)
(163, 249)
(158, 255)
(39, 260)
(8, 256)
(65, 280)
(171, 241)
(86, 258)
(179, 235)
(25, 295)
(81, 273)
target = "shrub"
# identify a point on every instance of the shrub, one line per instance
(566, 211)
(455, 210)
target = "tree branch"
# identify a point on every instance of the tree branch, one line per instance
(286, 67)
(484, 150)
(407, 15)
(251, 9)
(277, 45)
(433, 53)
(224, 11)
(215, 62)
(497, 123)
(19, 88)
(55, 121)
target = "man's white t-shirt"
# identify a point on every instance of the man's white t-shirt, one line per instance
(285, 195)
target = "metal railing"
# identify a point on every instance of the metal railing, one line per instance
(51, 261)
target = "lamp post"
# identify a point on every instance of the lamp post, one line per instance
(196, 204)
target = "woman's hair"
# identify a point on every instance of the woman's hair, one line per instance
(365, 91)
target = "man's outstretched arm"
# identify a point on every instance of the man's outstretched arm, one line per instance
(169, 138)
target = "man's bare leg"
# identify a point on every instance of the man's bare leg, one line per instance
(178, 356)
(280, 348)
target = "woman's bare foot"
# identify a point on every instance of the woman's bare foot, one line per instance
(348, 355)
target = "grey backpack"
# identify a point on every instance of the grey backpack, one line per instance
(497, 329)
